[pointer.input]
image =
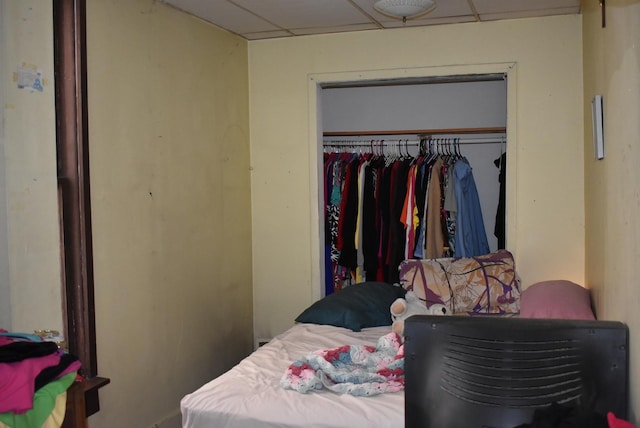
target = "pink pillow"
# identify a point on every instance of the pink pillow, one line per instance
(556, 299)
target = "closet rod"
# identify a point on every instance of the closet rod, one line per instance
(407, 143)
(411, 143)
(441, 131)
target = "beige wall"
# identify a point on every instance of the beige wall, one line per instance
(30, 248)
(612, 196)
(169, 151)
(169, 125)
(543, 58)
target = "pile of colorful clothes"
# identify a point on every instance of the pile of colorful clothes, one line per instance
(34, 377)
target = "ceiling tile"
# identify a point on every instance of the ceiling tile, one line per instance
(342, 29)
(527, 14)
(450, 8)
(500, 6)
(306, 13)
(224, 14)
(447, 20)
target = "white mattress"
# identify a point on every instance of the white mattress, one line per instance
(249, 395)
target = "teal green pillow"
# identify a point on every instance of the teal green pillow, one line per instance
(355, 307)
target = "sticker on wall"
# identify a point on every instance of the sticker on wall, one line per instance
(29, 78)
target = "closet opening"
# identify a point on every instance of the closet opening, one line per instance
(411, 168)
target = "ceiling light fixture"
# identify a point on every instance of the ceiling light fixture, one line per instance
(404, 9)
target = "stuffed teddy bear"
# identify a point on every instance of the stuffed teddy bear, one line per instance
(402, 309)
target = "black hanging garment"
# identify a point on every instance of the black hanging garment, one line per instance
(396, 228)
(370, 223)
(349, 212)
(499, 230)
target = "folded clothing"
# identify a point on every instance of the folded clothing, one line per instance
(45, 403)
(19, 351)
(17, 382)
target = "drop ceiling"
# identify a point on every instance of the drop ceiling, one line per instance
(265, 19)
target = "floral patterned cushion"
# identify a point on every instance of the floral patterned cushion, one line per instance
(484, 284)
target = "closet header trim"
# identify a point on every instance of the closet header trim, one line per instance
(464, 78)
(442, 131)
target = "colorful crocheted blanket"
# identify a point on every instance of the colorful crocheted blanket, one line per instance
(359, 370)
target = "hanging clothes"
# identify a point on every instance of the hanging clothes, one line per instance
(435, 239)
(471, 237)
(348, 217)
(335, 172)
(370, 219)
(499, 230)
(395, 253)
(450, 206)
(380, 210)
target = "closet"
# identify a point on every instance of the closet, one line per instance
(406, 126)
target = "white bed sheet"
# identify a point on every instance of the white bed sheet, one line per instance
(250, 396)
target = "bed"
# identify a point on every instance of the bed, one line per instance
(251, 394)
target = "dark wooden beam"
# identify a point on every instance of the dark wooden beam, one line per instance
(73, 179)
